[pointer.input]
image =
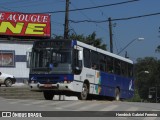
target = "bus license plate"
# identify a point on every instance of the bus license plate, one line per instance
(47, 85)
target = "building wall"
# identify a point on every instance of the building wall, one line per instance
(19, 49)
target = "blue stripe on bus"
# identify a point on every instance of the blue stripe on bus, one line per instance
(108, 83)
(74, 42)
(51, 78)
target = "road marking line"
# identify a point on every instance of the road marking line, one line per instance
(87, 107)
(109, 108)
(72, 104)
(52, 103)
(150, 118)
(35, 103)
(3, 100)
(132, 109)
(20, 101)
(125, 118)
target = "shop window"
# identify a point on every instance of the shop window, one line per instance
(7, 58)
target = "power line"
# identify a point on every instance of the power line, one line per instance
(140, 16)
(12, 2)
(88, 17)
(88, 8)
(101, 14)
(58, 23)
(97, 8)
(80, 11)
(39, 3)
(117, 19)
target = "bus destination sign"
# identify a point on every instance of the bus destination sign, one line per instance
(53, 44)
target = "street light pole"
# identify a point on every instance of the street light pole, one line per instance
(143, 72)
(129, 44)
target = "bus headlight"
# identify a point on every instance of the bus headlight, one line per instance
(67, 81)
(33, 81)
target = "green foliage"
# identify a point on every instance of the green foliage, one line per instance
(90, 39)
(146, 80)
(158, 49)
(136, 97)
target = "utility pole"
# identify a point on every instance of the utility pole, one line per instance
(110, 34)
(66, 30)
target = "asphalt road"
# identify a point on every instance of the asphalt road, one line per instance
(75, 105)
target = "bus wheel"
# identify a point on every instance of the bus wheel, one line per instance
(84, 94)
(48, 95)
(117, 94)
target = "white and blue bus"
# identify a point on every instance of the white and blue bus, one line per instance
(73, 68)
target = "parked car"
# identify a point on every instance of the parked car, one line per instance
(7, 79)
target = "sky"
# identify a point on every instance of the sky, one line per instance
(123, 31)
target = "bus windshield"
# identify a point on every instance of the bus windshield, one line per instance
(57, 60)
(44, 57)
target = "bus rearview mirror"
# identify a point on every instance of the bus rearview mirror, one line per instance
(80, 55)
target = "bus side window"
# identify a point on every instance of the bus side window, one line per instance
(109, 66)
(94, 60)
(86, 54)
(80, 58)
(117, 66)
(130, 70)
(102, 62)
(77, 61)
(124, 68)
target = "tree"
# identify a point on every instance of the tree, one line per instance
(158, 49)
(143, 80)
(90, 39)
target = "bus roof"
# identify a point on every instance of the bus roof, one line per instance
(104, 52)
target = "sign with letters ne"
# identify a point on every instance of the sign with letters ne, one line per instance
(25, 24)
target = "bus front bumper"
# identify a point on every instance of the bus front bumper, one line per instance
(58, 86)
